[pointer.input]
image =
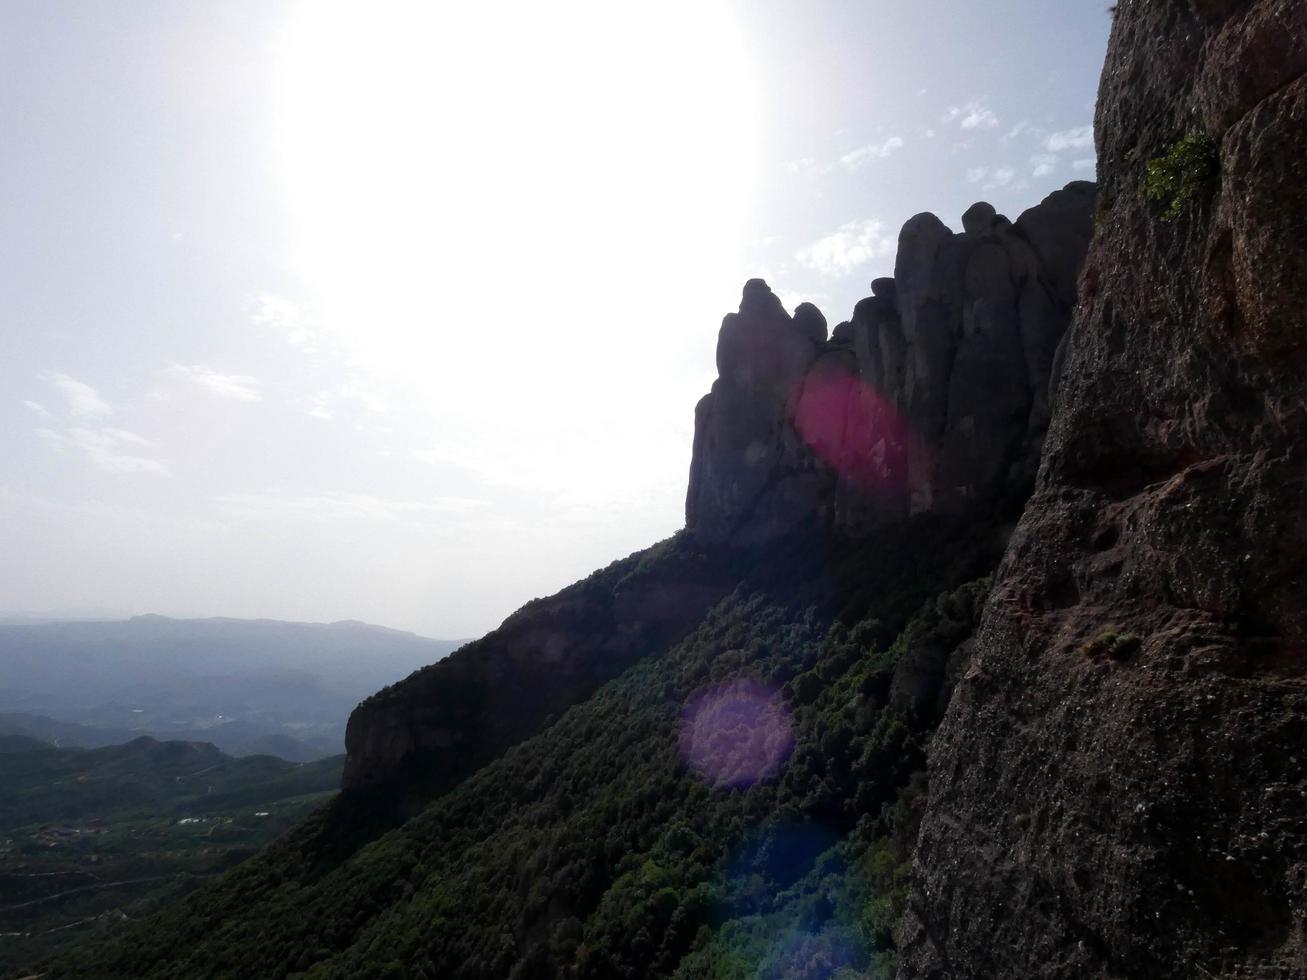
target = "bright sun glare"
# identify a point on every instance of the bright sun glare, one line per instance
(547, 198)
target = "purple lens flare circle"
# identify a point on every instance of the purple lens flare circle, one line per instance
(736, 732)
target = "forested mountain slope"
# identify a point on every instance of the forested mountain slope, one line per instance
(932, 399)
(770, 831)
(707, 759)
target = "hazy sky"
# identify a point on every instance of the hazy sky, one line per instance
(399, 311)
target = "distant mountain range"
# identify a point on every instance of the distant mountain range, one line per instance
(248, 686)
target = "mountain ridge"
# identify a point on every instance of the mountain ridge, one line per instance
(980, 655)
(780, 450)
(848, 627)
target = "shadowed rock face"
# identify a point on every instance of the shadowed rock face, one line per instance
(935, 394)
(412, 740)
(1119, 786)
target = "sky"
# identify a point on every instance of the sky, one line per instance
(399, 311)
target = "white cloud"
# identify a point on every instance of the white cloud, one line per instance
(106, 448)
(238, 387)
(976, 174)
(852, 245)
(1017, 130)
(973, 115)
(930, 134)
(1080, 138)
(319, 405)
(326, 403)
(84, 402)
(876, 151)
(1043, 164)
(853, 160)
(111, 450)
(282, 315)
(1003, 176)
(1086, 164)
(123, 437)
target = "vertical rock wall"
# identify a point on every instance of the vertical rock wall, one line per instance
(1119, 788)
(933, 396)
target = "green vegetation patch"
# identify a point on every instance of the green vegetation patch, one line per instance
(1113, 645)
(597, 850)
(1181, 174)
(93, 839)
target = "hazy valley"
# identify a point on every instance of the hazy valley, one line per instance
(248, 687)
(141, 757)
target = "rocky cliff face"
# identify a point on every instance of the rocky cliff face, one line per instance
(933, 396)
(1120, 783)
(416, 738)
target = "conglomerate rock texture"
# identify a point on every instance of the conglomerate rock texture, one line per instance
(934, 396)
(1119, 787)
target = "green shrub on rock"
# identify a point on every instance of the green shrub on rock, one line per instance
(1180, 175)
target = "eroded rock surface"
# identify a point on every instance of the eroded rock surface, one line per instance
(416, 738)
(933, 396)
(1119, 788)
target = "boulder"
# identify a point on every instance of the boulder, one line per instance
(811, 322)
(978, 218)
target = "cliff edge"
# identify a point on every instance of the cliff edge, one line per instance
(931, 399)
(1118, 788)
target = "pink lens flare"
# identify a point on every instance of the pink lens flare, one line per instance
(853, 429)
(736, 732)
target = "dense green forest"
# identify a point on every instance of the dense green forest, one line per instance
(93, 839)
(608, 845)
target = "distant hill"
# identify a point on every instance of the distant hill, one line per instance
(92, 838)
(247, 686)
(239, 737)
(61, 734)
(20, 743)
(40, 783)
